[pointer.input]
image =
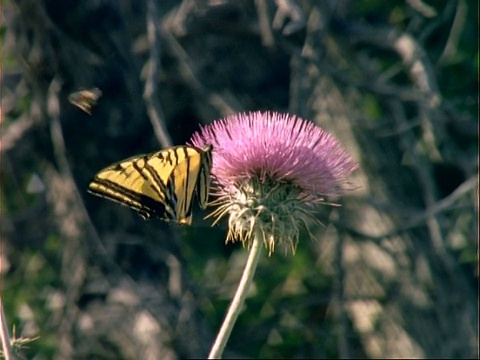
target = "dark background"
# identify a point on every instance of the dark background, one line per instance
(393, 273)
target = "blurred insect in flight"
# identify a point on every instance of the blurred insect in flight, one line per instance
(85, 99)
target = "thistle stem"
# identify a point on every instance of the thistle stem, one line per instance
(238, 299)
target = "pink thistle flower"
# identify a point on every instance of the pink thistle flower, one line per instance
(269, 169)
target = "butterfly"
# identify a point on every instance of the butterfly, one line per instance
(85, 99)
(159, 184)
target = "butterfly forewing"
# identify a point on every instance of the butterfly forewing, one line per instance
(128, 183)
(155, 170)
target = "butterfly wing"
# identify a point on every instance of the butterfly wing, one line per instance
(85, 99)
(203, 183)
(160, 184)
(135, 183)
(183, 180)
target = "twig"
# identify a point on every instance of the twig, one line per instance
(442, 20)
(413, 56)
(6, 342)
(424, 9)
(455, 32)
(263, 19)
(222, 104)
(424, 170)
(72, 256)
(15, 131)
(376, 87)
(288, 8)
(150, 95)
(420, 69)
(339, 293)
(416, 220)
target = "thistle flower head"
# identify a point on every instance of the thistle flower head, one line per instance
(269, 170)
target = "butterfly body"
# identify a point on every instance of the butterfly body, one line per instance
(159, 184)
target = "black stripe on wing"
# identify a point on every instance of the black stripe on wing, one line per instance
(145, 205)
(187, 201)
(203, 183)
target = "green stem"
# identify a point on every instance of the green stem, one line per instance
(238, 299)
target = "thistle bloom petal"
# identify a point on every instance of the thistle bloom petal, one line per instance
(269, 167)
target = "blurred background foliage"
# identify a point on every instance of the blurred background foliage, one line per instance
(394, 271)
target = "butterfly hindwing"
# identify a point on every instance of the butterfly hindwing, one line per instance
(184, 179)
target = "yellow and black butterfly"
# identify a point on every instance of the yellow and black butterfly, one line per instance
(159, 184)
(85, 99)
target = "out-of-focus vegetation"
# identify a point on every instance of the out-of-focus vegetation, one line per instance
(394, 272)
